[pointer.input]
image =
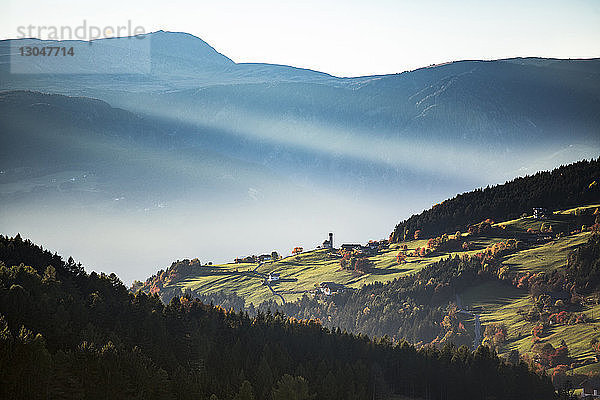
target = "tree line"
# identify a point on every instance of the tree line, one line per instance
(567, 186)
(65, 333)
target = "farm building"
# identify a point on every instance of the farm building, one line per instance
(590, 389)
(541, 213)
(329, 288)
(264, 257)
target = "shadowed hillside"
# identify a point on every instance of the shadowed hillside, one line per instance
(66, 333)
(564, 187)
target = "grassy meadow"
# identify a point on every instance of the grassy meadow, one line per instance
(495, 302)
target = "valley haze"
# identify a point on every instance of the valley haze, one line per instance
(175, 151)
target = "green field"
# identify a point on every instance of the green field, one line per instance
(503, 303)
(307, 270)
(494, 301)
(577, 337)
(312, 267)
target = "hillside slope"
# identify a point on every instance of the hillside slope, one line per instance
(163, 135)
(527, 287)
(513, 287)
(566, 186)
(487, 111)
(64, 333)
(84, 147)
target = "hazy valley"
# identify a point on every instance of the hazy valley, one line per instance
(197, 196)
(184, 134)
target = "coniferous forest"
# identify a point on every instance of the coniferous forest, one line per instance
(68, 334)
(236, 200)
(567, 186)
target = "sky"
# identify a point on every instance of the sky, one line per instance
(343, 38)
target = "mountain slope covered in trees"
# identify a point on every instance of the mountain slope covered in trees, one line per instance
(531, 282)
(564, 187)
(65, 333)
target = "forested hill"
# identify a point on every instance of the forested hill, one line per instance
(567, 186)
(68, 334)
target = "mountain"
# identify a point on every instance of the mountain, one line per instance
(66, 333)
(565, 187)
(84, 147)
(513, 111)
(267, 146)
(524, 284)
(155, 61)
(130, 153)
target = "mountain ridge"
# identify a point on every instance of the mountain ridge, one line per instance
(391, 143)
(161, 34)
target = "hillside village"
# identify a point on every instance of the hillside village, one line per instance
(513, 273)
(539, 228)
(525, 248)
(516, 291)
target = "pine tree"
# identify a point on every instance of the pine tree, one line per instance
(291, 388)
(245, 392)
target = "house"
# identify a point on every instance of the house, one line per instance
(588, 393)
(373, 245)
(264, 257)
(590, 389)
(329, 288)
(247, 259)
(350, 247)
(272, 277)
(541, 213)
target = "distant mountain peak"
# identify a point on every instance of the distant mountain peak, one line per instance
(186, 45)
